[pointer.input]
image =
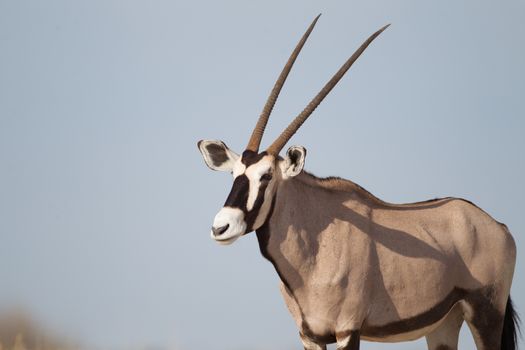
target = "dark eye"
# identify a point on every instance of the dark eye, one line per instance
(266, 177)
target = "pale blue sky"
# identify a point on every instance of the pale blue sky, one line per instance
(106, 204)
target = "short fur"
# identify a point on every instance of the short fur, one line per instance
(350, 262)
(355, 267)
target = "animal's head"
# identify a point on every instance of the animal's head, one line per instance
(257, 175)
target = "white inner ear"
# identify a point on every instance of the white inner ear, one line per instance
(293, 166)
(221, 158)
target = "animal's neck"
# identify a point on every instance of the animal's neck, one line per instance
(303, 211)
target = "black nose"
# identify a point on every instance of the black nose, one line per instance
(217, 231)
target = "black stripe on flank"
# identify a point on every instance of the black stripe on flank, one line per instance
(486, 317)
(425, 319)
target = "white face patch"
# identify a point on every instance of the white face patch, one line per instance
(265, 207)
(238, 168)
(254, 174)
(234, 218)
(231, 219)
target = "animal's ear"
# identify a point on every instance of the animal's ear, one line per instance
(217, 155)
(293, 163)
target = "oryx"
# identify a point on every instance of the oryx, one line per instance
(355, 267)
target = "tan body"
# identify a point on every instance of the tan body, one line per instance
(349, 261)
(354, 267)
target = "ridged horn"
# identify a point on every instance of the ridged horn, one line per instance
(279, 143)
(258, 131)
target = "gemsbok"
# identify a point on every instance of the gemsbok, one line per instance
(355, 267)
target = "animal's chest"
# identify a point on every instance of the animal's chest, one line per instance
(322, 279)
(315, 309)
(317, 266)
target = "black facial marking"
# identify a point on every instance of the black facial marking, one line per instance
(238, 197)
(217, 154)
(266, 177)
(251, 157)
(239, 193)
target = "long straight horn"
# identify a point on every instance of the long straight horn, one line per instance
(279, 143)
(258, 131)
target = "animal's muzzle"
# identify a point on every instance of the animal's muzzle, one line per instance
(217, 231)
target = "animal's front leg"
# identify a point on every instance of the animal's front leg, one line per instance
(348, 340)
(310, 344)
